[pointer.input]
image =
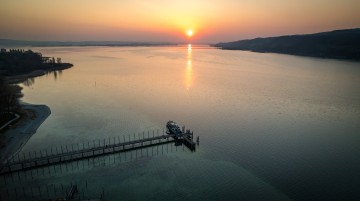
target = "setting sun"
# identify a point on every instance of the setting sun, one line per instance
(189, 33)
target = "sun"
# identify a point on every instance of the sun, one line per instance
(189, 33)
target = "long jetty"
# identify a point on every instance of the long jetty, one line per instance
(44, 159)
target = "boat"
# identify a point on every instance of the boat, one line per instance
(173, 128)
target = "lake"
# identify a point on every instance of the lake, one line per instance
(271, 126)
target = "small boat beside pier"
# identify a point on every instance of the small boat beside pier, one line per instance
(184, 136)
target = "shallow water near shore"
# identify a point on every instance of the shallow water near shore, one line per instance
(271, 126)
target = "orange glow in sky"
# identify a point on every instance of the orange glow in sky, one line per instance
(165, 21)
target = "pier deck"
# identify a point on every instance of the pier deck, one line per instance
(22, 163)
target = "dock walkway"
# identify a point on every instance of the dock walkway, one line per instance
(26, 163)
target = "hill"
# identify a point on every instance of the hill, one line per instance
(338, 44)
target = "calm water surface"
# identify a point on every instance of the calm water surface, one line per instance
(271, 127)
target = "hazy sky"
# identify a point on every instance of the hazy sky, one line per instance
(168, 20)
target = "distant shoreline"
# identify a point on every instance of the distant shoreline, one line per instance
(18, 43)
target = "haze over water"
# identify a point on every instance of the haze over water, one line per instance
(271, 127)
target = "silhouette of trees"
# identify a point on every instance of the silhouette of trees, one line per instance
(19, 61)
(9, 97)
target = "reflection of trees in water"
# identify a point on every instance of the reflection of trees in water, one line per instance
(29, 82)
(54, 73)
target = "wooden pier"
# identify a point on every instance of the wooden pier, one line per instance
(44, 159)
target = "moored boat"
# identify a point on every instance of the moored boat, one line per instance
(173, 128)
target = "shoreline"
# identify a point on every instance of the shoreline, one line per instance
(16, 136)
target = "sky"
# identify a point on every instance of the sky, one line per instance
(169, 20)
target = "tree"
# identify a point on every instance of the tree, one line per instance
(9, 97)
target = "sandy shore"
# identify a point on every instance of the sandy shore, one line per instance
(16, 136)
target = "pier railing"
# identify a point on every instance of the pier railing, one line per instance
(63, 154)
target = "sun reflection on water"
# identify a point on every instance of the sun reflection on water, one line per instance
(188, 70)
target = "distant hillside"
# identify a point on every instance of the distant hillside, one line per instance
(339, 44)
(19, 43)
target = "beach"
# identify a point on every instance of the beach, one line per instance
(16, 136)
